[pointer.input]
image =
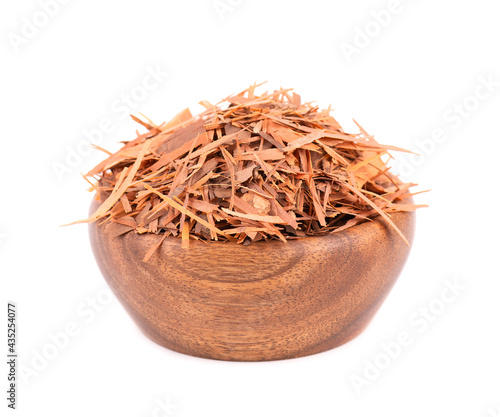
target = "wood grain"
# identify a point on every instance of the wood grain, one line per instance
(265, 301)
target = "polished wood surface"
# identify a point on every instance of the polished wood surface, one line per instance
(265, 301)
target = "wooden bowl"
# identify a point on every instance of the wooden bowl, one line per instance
(266, 301)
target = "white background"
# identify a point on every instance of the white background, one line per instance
(405, 80)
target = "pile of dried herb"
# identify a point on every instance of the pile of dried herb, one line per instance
(253, 167)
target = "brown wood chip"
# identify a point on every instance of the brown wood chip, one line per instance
(252, 167)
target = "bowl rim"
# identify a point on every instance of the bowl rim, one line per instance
(359, 229)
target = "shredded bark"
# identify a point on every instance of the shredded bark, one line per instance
(253, 167)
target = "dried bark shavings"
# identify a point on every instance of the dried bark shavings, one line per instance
(253, 167)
